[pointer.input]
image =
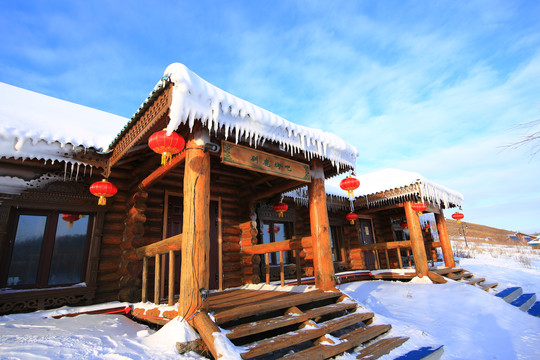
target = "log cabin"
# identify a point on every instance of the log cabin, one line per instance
(241, 196)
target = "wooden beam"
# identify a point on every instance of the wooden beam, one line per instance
(206, 328)
(320, 229)
(417, 240)
(171, 278)
(161, 171)
(446, 246)
(251, 185)
(196, 227)
(274, 190)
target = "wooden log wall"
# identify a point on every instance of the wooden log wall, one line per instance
(112, 235)
(251, 264)
(303, 229)
(382, 225)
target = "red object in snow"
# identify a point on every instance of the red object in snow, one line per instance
(280, 208)
(349, 184)
(166, 145)
(404, 225)
(458, 216)
(103, 189)
(351, 217)
(70, 218)
(419, 207)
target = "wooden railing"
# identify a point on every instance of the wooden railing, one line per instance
(159, 251)
(280, 247)
(398, 246)
(358, 252)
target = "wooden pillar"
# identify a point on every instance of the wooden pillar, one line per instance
(195, 271)
(417, 240)
(320, 229)
(446, 247)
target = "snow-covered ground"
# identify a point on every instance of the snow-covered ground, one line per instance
(470, 323)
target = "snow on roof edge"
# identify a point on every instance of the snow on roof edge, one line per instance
(194, 98)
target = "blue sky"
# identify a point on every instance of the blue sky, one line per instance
(436, 87)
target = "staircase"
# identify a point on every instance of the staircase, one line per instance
(512, 295)
(287, 325)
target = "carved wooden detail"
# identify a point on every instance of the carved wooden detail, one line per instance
(44, 299)
(141, 126)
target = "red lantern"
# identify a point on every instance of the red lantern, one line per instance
(166, 145)
(426, 227)
(404, 225)
(70, 218)
(351, 217)
(349, 184)
(276, 229)
(458, 216)
(280, 208)
(103, 189)
(419, 207)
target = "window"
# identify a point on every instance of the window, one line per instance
(47, 249)
(273, 232)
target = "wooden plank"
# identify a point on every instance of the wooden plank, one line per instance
(273, 304)
(286, 320)
(436, 278)
(447, 270)
(399, 258)
(475, 281)
(255, 160)
(486, 287)
(464, 274)
(281, 268)
(349, 341)
(381, 347)
(220, 244)
(299, 336)
(161, 171)
(248, 300)
(267, 267)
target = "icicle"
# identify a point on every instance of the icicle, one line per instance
(91, 168)
(77, 174)
(71, 175)
(65, 170)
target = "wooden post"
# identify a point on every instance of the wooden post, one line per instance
(145, 280)
(298, 267)
(281, 268)
(267, 267)
(196, 227)
(171, 278)
(446, 247)
(320, 229)
(157, 279)
(399, 258)
(417, 240)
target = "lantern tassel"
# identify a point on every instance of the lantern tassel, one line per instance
(420, 213)
(70, 224)
(458, 221)
(166, 158)
(351, 193)
(280, 214)
(352, 222)
(102, 200)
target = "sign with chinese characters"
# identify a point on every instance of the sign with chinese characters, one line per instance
(252, 159)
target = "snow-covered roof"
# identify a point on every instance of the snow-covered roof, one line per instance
(194, 98)
(37, 126)
(392, 186)
(399, 184)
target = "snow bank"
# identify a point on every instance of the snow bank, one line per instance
(194, 98)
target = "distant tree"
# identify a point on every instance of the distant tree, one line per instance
(532, 137)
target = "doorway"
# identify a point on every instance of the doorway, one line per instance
(366, 235)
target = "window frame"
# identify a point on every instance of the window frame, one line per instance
(47, 248)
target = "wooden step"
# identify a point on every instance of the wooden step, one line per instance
(487, 286)
(381, 347)
(299, 336)
(266, 306)
(348, 341)
(445, 271)
(474, 281)
(257, 327)
(462, 275)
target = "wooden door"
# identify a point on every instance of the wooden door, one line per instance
(366, 234)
